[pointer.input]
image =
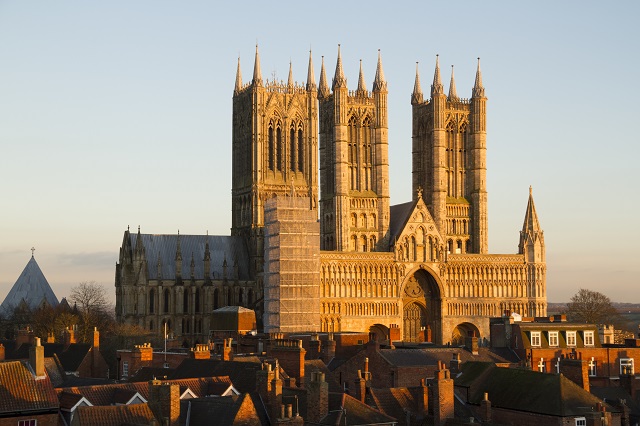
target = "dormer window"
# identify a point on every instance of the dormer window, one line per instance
(588, 338)
(535, 339)
(553, 338)
(571, 339)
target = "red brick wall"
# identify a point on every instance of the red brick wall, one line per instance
(42, 420)
(607, 359)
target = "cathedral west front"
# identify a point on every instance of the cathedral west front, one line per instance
(315, 245)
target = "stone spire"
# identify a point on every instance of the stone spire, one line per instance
(531, 223)
(323, 89)
(478, 88)
(290, 79)
(416, 96)
(379, 83)
(531, 236)
(238, 79)
(257, 74)
(339, 80)
(311, 79)
(453, 94)
(436, 87)
(362, 87)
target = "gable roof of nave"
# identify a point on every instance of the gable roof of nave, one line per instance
(405, 218)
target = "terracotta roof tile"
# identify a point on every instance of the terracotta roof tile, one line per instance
(114, 415)
(20, 390)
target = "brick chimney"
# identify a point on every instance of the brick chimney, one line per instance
(360, 387)
(51, 337)
(69, 336)
(164, 401)
(1, 352)
(576, 370)
(287, 417)
(442, 395)
(201, 351)
(329, 349)
(423, 404)
(471, 343)
(454, 364)
(485, 408)
(36, 358)
(25, 336)
(290, 355)
(227, 351)
(96, 338)
(275, 393)
(317, 397)
(314, 347)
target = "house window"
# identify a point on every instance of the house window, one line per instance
(581, 421)
(626, 366)
(592, 367)
(553, 338)
(125, 369)
(588, 338)
(166, 365)
(31, 422)
(542, 366)
(535, 338)
(571, 338)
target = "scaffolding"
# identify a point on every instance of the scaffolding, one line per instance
(292, 266)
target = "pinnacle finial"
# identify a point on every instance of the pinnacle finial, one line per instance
(33, 249)
(478, 88)
(323, 89)
(436, 87)
(379, 83)
(257, 74)
(362, 87)
(530, 190)
(453, 94)
(416, 96)
(311, 80)
(238, 78)
(339, 79)
(290, 79)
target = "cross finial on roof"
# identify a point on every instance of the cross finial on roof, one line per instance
(32, 250)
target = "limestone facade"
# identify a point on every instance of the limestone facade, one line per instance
(422, 266)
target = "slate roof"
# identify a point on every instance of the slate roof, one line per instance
(394, 401)
(241, 373)
(69, 358)
(226, 410)
(20, 391)
(32, 287)
(221, 247)
(526, 390)
(115, 415)
(430, 356)
(398, 216)
(357, 413)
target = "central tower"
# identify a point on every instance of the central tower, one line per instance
(354, 163)
(275, 145)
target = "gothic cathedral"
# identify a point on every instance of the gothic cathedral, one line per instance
(342, 259)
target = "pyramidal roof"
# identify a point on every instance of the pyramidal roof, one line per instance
(32, 287)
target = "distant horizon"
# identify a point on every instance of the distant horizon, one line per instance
(117, 114)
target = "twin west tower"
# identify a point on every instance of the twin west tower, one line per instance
(318, 244)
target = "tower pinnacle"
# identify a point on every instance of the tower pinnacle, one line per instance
(478, 88)
(379, 83)
(257, 74)
(238, 79)
(290, 79)
(362, 87)
(436, 87)
(339, 79)
(311, 80)
(453, 94)
(323, 89)
(416, 96)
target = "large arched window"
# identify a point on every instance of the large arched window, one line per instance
(152, 300)
(279, 148)
(367, 153)
(353, 153)
(300, 150)
(292, 148)
(271, 148)
(166, 300)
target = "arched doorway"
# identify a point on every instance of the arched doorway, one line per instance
(462, 331)
(422, 307)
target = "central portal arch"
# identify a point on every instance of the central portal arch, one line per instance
(421, 314)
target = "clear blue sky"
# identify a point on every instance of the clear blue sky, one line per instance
(117, 113)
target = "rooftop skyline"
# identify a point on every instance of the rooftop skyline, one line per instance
(119, 114)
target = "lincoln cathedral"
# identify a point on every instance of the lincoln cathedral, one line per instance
(315, 245)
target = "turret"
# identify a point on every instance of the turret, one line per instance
(417, 96)
(531, 236)
(257, 74)
(178, 260)
(207, 262)
(453, 93)
(311, 79)
(290, 79)
(362, 86)
(238, 86)
(438, 197)
(323, 89)
(478, 148)
(381, 155)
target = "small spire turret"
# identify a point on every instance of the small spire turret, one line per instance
(339, 80)
(238, 79)
(379, 83)
(311, 79)
(436, 87)
(478, 88)
(257, 74)
(453, 94)
(416, 96)
(531, 236)
(290, 79)
(362, 87)
(323, 89)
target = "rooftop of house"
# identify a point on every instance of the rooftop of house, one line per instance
(115, 415)
(20, 390)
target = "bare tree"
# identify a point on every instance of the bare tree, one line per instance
(592, 307)
(90, 301)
